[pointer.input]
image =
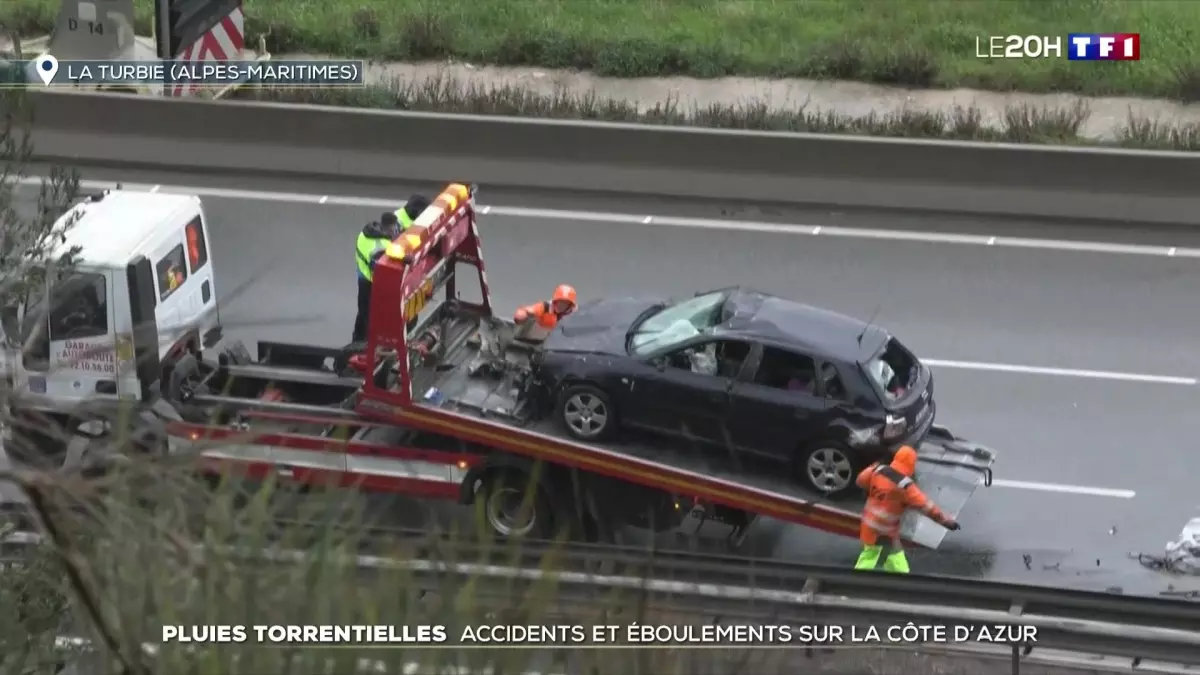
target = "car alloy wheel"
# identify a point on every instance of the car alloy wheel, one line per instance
(586, 414)
(829, 470)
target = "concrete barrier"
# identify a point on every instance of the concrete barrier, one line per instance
(355, 146)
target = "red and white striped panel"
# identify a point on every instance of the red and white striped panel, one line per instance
(223, 42)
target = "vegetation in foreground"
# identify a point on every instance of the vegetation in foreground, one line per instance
(148, 543)
(1019, 124)
(912, 43)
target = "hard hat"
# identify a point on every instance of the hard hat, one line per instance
(564, 293)
(905, 460)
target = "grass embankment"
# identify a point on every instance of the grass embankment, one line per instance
(1019, 124)
(912, 43)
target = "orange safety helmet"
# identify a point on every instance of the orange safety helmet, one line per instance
(905, 460)
(563, 299)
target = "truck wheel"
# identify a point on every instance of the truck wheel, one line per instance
(86, 442)
(179, 378)
(587, 413)
(829, 469)
(509, 511)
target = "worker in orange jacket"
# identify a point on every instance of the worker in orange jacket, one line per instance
(891, 491)
(547, 314)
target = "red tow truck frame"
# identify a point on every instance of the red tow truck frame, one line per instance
(369, 429)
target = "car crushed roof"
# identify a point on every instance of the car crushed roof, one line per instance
(812, 330)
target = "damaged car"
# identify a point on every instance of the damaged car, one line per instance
(737, 370)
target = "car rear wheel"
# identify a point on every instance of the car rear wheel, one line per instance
(829, 470)
(587, 413)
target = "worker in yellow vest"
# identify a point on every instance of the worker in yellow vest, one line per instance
(371, 243)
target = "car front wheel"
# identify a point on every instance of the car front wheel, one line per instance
(829, 470)
(586, 413)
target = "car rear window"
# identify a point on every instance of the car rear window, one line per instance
(893, 371)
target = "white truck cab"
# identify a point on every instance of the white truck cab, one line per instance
(140, 294)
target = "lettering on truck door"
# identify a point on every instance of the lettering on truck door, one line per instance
(82, 347)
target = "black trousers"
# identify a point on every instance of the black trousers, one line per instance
(364, 311)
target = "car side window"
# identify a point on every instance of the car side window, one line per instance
(721, 358)
(832, 382)
(787, 370)
(172, 272)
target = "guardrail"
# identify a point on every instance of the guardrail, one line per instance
(1138, 629)
(739, 168)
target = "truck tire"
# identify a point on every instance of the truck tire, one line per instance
(181, 375)
(509, 511)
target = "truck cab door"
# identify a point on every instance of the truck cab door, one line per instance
(138, 348)
(82, 341)
(202, 298)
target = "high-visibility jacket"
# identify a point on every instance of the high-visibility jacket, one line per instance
(890, 494)
(542, 312)
(368, 249)
(405, 221)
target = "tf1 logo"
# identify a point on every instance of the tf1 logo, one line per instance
(1105, 47)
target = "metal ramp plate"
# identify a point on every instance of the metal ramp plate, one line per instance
(949, 471)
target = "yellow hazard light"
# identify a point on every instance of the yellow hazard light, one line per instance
(394, 251)
(458, 190)
(413, 240)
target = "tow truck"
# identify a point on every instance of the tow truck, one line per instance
(105, 330)
(435, 405)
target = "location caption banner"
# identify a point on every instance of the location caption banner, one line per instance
(206, 73)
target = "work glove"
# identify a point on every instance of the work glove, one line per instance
(952, 525)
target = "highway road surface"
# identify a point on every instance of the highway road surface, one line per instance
(1072, 353)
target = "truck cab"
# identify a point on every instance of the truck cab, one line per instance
(140, 295)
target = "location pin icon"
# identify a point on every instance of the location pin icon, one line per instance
(47, 66)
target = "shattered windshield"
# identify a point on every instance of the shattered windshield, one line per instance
(893, 370)
(677, 323)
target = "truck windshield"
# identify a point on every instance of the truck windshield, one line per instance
(893, 371)
(78, 309)
(676, 323)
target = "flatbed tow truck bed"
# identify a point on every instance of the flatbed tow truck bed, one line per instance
(949, 470)
(425, 418)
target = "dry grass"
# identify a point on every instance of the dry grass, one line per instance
(912, 43)
(151, 544)
(1018, 124)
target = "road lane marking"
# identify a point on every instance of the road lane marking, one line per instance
(1061, 372)
(1067, 489)
(867, 233)
(696, 223)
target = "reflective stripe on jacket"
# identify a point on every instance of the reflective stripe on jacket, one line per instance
(367, 250)
(889, 495)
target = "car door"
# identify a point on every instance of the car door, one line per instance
(678, 398)
(778, 406)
